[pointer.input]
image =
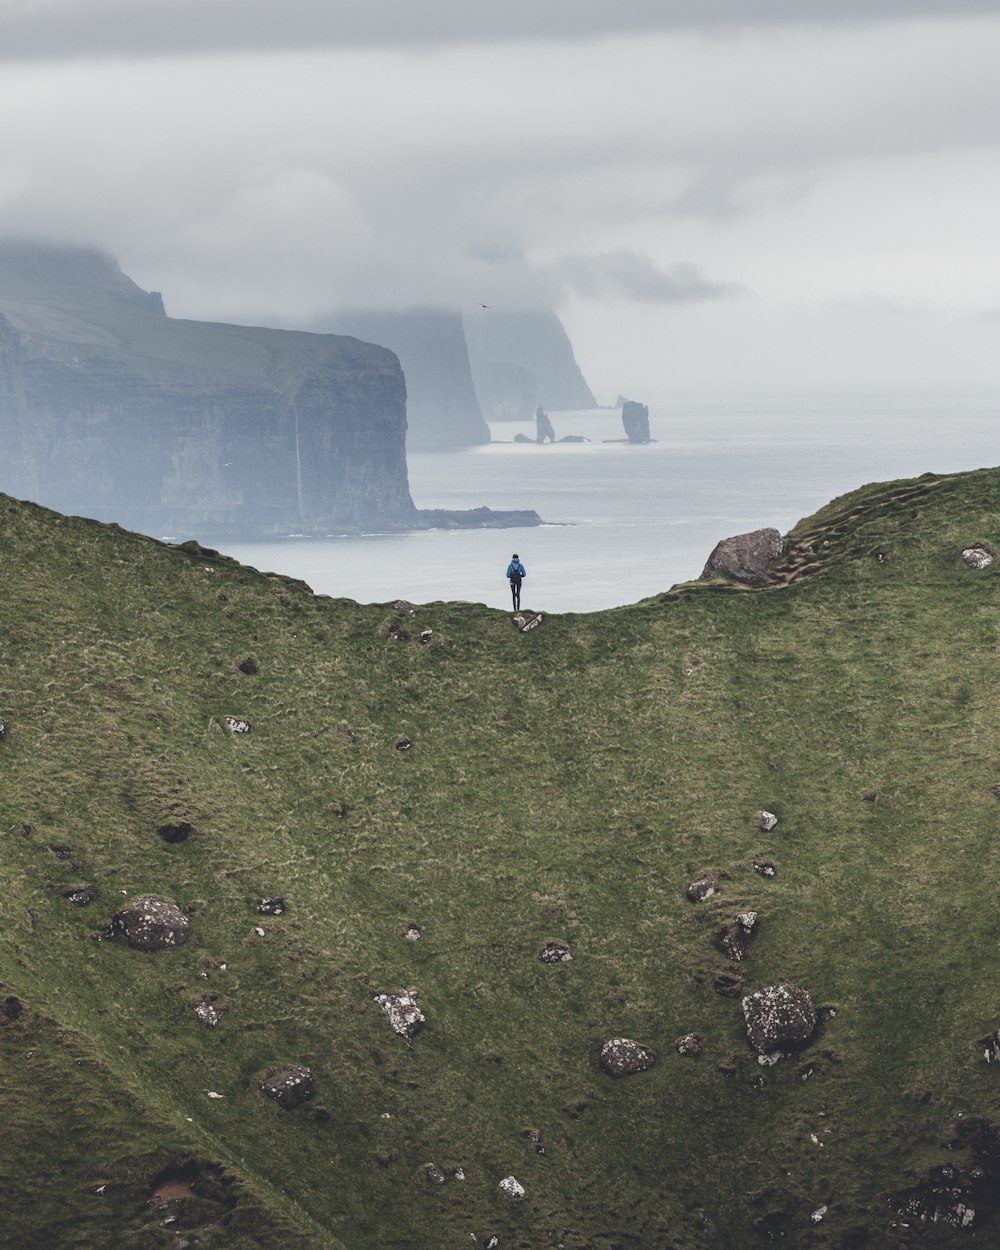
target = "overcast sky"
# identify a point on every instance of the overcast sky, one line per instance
(716, 195)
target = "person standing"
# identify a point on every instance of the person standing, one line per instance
(515, 571)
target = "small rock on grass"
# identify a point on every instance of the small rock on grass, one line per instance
(237, 725)
(702, 889)
(511, 1187)
(690, 1044)
(621, 1057)
(289, 1084)
(766, 821)
(274, 906)
(978, 556)
(555, 953)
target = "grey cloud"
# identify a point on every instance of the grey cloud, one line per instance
(723, 195)
(59, 29)
(630, 275)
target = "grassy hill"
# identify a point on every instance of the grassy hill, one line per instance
(565, 784)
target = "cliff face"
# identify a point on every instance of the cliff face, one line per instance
(111, 409)
(522, 359)
(443, 409)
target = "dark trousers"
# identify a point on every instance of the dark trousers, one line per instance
(515, 590)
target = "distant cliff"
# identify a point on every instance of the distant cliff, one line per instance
(442, 408)
(522, 359)
(111, 409)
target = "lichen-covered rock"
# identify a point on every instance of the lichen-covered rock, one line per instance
(434, 1174)
(555, 953)
(690, 1044)
(747, 557)
(237, 725)
(403, 743)
(621, 1056)
(152, 923)
(426, 635)
(778, 1017)
(511, 1187)
(948, 1195)
(3, 729)
(991, 1047)
(735, 938)
(274, 906)
(289, 1084)
(978, 556)
(209, 1009)
(702, 889)
(411, 933)
(527, 620)
(765, 867)
(402, 1012)
(766, 821)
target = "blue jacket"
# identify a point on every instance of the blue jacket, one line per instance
(515, 566)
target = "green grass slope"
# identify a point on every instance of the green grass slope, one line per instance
(562, 784)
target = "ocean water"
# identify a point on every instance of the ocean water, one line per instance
(625, 522)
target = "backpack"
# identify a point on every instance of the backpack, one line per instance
(515, 576)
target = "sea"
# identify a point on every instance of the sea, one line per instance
(623, 522)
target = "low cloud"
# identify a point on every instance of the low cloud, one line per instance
(630, 275)
(58, 29)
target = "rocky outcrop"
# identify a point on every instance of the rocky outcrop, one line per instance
(442, 407)
(111, 409)
(289, 1084)
(747, 557)
(778, 1017)
(151, 923)
(735, 938)
(521, 359)
(621, 1057)
(635, 421)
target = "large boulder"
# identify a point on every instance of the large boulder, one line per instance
(152, 923)
(778, 1017)
(621, 1057)
(289, 1084)
(402, 1012)
(747, 557)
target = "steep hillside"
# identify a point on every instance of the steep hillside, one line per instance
(502, 792)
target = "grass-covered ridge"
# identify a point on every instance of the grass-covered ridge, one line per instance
(563, 784)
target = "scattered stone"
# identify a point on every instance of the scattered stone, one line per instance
(80, 895)
(458, 1173)
(527, 620)
(991, 1047)
(869, 796)
(434, 1174)
(779, 1016)
(766, 821)
(209, 1009)
(729, 984)
(511, 1187)
(425, 635)
(734, 939)
(3, 729)
(492, 1243)
(401, 605)
(249, 666)
(555, 953)
(825, 1013)
(698, 891)
(289, 1084)
(397, 631)
(881, 557)
(237, 725)
(770, 1059)
(259, 931)
(151, 923)
(411, 933)
(621, 1057)
(765, 867)
(690, 1044)
(271, 906)
(818, 1214)
(403, 744)
(176, 833)
(402, 1012)
(747, 557)
(978, 556)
